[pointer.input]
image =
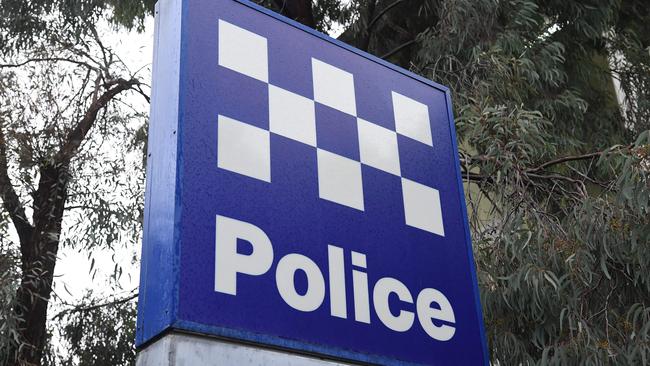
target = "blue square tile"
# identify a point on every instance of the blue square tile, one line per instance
(290, 67)
(424, 164)
(374, 102)
(337, 132)
(233, 88)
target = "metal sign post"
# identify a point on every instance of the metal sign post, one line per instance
(303, 198)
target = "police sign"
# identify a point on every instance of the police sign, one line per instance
(302, 195)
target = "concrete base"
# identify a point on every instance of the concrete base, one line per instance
(176, 349)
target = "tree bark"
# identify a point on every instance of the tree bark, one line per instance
(38, 262)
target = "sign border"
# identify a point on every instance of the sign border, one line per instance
(170, 321)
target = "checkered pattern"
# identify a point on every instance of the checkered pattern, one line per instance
(245, 149)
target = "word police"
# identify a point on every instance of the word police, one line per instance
(431, 305)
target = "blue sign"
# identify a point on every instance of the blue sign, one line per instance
(303, 195)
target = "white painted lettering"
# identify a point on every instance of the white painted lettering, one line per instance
(433, 309)
(383, 288)
(337, 282)
(228, 262)
(285, 280)
(426, 314)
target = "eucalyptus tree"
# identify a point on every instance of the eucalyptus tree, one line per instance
(24, 23)
(560, 167)
(95, 333)
(66, 132)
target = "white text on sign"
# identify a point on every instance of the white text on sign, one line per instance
(431, 304)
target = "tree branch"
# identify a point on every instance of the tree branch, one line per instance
(572, 158)
(49, 59)
(397, 49)
(79, 309)
(76, 136)
(10, 197)
(564, 160)
(144, 95)
(364, 43)
(473, 177)
(381, 13)
(555, 176)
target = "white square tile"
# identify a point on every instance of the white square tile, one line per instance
(333, 87)
(412, 119)
(243, 51)
(244, 149)
(339, 180)
(422, 207)
(378, 147)
(292, 115)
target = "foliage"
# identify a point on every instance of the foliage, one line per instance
(8, 284)
(322, 15)
(560, 172)
(58, 85)
(24, 23)
(71, 154)
(97, 332)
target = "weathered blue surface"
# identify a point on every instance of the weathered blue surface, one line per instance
(159, 258)
(186, 190)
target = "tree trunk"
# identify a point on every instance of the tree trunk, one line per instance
(38, 261)
(39, 243)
